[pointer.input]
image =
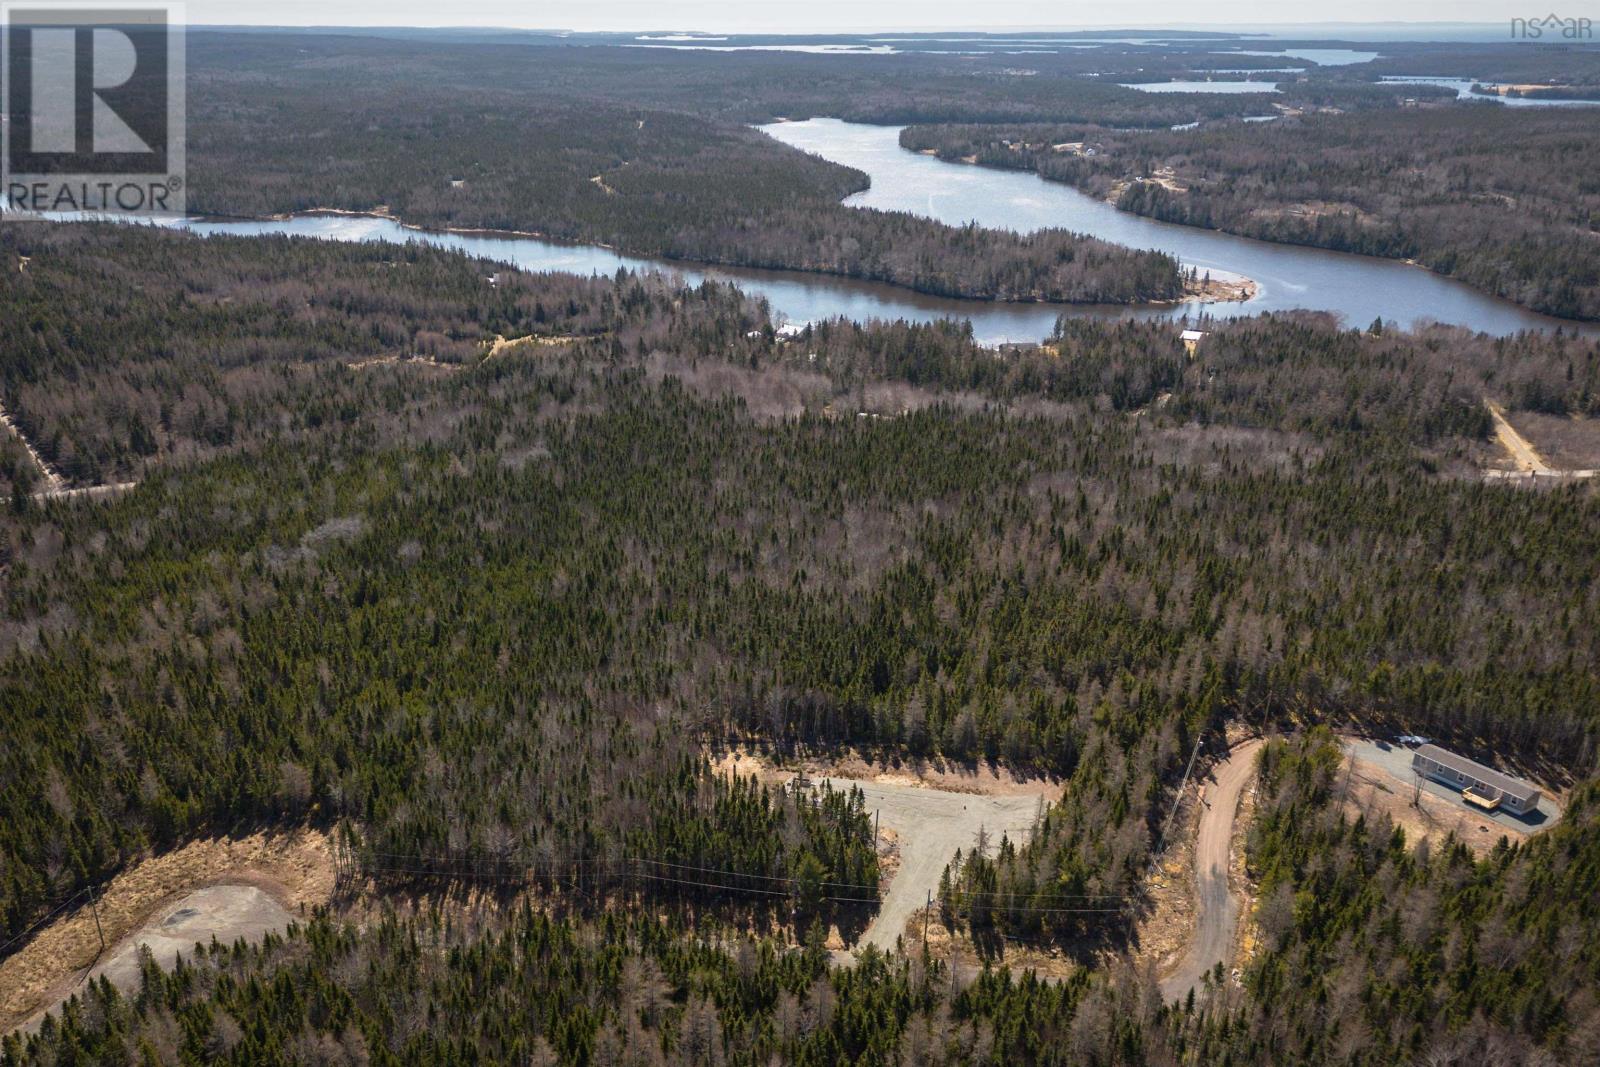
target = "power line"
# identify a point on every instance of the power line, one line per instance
(628, 867)
(57, 910)
(765, 877)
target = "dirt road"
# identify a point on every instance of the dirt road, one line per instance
(931, 825)
(55, 486)
(1529, 463)
(1219, 910)
(1523, 454)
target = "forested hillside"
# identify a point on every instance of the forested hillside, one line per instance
(400, 581)
(123, 347)
(474, 581)
(1286, 372)
(743, 87)
(1500, 198)
(494, 141)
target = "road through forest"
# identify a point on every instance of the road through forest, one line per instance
(1218, 908)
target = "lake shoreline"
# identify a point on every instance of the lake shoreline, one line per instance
(1169, 182)
(1203, 293)
(1288, 275)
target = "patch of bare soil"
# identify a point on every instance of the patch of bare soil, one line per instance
(1521, 87)
(502, 344)
(295, 869)
(1213, 289)
(1524, 456)
(1372, 791)
(407, 361)
(1167, 178)
(981, 779)
(967, 961)
(1168, 927)
(1246, 938)
(1566, 442)
(888, 855)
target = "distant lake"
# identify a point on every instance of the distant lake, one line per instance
(793, 295)
(1202, 87)
(1358, 288)
(1464, 91)
(1323, 57)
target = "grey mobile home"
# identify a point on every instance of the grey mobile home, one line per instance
(1480, 786)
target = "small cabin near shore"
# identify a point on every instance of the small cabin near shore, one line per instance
(1191, 340)
(1482, 787)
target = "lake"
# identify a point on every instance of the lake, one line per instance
(794, 296)
(1464, 91)
(1322, 57)
(1357, 288)
(1202, 87)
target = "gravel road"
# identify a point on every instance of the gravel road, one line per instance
(1219, 910)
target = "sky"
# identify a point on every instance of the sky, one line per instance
(821, 16)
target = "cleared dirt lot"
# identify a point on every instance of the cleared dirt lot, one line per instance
(1379, 780)
(933, 809)
(932, 824)
(289, 872)
(223, 912)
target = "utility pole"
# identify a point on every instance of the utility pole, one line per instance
(925, 916)
(1166, 827)
(875, 814)
(94, 906)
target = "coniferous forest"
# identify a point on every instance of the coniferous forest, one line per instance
(650, 151)
(488, 607)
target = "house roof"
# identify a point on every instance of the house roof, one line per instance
(1192, 335)
(1487, 775)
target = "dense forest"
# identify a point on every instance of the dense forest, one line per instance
(1501, 198)
(755, 87)
(1296, 373)
(480, 569)
(1373, 953)
(467, 148)
(401, 580)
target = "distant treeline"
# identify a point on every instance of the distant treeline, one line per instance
(1547, 60)
(495, 144)
(761, 86)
